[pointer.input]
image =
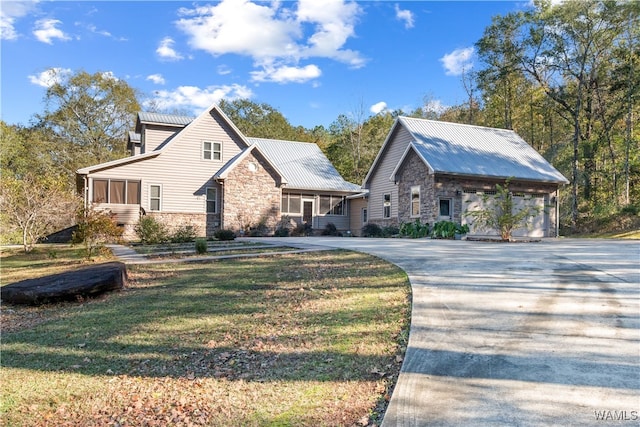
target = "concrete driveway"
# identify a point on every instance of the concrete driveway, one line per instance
(521, 334)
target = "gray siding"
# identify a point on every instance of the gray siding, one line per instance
(180, 169)
(380, 184)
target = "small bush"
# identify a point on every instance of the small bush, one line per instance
(390, 231)
(331, 230)
(95, 227)
(183, 234)
(201, 246)
(151, 231)
(448, 230)
(302, 230)
(281, 232)
(224, 235)
(414, 229)
(371, 230)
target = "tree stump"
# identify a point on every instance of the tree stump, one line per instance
(85, 282)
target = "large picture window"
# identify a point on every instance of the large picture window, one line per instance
(211, 150)
(386, 206)
(116, 191)
(212, 198)
(415, 201)
(332, 205)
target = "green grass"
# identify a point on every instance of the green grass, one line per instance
(305, 339)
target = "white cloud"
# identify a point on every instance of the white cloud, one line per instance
(166, 51)
(275, 37)
(286, 74)
(456, 62)
(378, 107)
(50, 77)
(223, 70)
(156, 78)
(404, 15)
(46, 31)
(435, 106)
(9, 13)
(195, 98)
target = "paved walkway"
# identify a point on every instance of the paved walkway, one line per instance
(130, 256)
(519, 334)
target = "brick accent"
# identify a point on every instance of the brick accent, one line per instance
(251, 194)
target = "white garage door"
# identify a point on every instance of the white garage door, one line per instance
(472, 200)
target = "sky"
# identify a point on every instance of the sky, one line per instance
(312, 60)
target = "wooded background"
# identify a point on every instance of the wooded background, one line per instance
(566, 78)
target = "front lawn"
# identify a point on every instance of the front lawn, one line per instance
(304, 339)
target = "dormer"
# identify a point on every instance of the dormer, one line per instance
(155, 129)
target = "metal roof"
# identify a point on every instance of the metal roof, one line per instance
(166, 119)
(479, 151)
(134, 136)
(303, 165)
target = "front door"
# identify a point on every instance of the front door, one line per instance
(445, 210)
(307, 211)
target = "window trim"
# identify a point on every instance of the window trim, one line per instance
(207, 200)
(414, 189)
(153, 198)
(212, 151)
(450, 203)
(386, 206)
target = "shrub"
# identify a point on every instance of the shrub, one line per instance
(201, 246)
(390, 231)
(95, 227)
(331, 230)
(281, 232)
(184, 233)
(414, 229)
(151, 231)
(302, 230)
(448, 229)
(371, 230)
(224, 234)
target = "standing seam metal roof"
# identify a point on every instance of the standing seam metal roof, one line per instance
(303, 165)
(169, 119)
(480, 151)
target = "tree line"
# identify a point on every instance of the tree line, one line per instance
(565, 77)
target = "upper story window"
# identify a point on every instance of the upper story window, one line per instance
(116, 191)
(211, 150)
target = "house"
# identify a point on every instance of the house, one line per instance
(203, 172)
(433, 171)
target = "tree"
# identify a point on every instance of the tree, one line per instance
(498, 213)
(36, 205)
(92, 113)
(95, 227)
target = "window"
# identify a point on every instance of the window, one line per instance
(155, 197)
(332, 205)
(386, 206)
(211, 150)
(364, 215)
(291, 203)
(116, 191)
(445, 207)
(415, 201)
(212, 197)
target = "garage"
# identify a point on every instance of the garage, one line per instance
(538, 224)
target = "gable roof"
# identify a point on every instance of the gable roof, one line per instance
(303, 165)
(162, 119)
(459, 149)
(224, 171)
(193, 122)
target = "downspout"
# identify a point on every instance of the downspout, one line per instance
(85, 192)
(558, 211)
(221, 210)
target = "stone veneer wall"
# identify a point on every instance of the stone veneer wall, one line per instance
(251, 194)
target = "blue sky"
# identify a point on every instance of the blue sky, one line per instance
(312, 60)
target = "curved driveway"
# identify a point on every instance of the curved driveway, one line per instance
(515, 334)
